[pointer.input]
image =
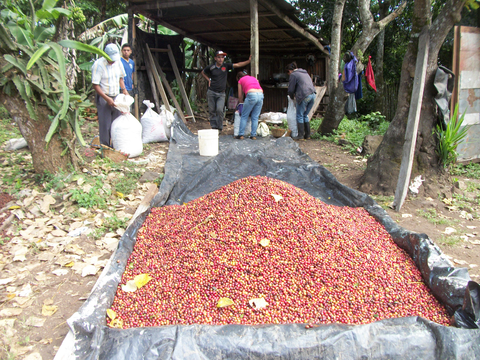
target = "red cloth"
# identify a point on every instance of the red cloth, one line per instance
(369, 75)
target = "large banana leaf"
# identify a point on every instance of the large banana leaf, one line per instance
(118, 21)
(72, 44)
(40, 34)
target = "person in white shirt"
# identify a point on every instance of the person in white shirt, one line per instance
(107, 80)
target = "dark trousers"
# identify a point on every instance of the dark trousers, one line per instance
(216, 103)
(106, 115)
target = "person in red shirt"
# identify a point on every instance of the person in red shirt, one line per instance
(252, 106)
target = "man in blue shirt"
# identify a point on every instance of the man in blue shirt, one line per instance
(129, 66)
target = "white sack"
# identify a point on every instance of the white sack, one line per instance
(292, 116)
(167, 119)
(236, 125)
(153, 127)
(126, 131)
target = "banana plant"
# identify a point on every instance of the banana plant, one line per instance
(35, 66)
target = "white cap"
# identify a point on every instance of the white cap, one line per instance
(112, 51)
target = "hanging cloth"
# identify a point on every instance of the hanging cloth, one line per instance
(350, 84)
(369, 75)
(359, 92)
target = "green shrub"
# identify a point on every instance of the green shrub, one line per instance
(450, 137)
(95, 197)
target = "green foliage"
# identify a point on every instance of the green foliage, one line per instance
(126, 184)
(470, 170)
(8, 128)
(113, 223)
(450, 137)
(354, 130)
(432, 216)
(36, 67)
(94, 197)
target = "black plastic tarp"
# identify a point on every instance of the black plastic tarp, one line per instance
(189, 176)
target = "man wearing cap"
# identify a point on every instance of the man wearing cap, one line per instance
(216, 75)
(107, 80)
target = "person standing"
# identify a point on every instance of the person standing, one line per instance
(107, 80)
(216, 75)
(302, 89)
(252, 106)
(129, 66)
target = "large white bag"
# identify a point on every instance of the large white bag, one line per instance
(292, 116)
(263, 129)
(153, 127)
(236, 125)
(167, 119)
(126, 131)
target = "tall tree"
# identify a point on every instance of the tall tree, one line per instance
(370, 29)
(383, 167)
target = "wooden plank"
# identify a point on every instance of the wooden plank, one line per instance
(151, 79)
(254, 35)
(243, 15)
(180, 83)
(133, 34)
(169, 89)
(153, 69)
(413, 120)
(294, 25)
(320, 93)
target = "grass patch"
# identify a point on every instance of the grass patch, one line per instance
(8, 128)
(471, 170)
(94, 197)
(354, 130)
(383, 200)
(451, 240)
(432, 216)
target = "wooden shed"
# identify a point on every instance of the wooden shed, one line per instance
(267, 29)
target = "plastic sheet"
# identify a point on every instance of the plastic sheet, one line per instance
(189, 176)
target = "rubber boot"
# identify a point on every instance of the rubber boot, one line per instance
(307, 130)
(301, 132)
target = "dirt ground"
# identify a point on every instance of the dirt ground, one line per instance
(35, 304)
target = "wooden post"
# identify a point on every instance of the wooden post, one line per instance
(153, 69)
(132, 41)
(180, 83)
(254, 44)
(159, 71)
(413, 120)
(151, 79)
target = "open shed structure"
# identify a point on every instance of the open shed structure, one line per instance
(267, 29)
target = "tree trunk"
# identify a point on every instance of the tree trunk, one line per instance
(381, 175)
(336, 94)
(336, 106)
(65, 30)
(379, 104)
(45, 157)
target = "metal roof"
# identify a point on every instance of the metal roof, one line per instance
(225, 24)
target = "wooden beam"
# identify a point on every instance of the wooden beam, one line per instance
(294, 25)
(413, 120)
(318, 99)
(159, 5)
(153, 69)
(239, 31)
(180, 83)
(132, 41)
(245, 15)
(254, 46)
(169, 89)
(151, 78)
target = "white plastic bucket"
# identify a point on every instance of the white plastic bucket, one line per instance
(208, 142)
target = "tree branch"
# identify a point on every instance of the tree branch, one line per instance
(398, 11)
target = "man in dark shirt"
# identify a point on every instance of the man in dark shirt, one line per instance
(216, 75)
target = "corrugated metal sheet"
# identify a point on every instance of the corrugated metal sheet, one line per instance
(467, 89)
